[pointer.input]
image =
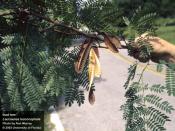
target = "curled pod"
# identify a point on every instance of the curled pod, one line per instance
(91, 97)
(112, 42)
(83, 55)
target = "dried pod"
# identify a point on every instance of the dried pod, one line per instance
(97, 65)
(96, 51)
(112, 43)
(91, 97)
(115, 40)
(83, 55)
(94, 69)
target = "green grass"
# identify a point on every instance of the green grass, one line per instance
(165, 21)
(167, 33)
(164, 31)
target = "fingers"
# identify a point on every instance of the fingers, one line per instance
(161, 49)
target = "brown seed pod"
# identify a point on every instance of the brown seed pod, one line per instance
(115, 40)
(96, 51)
(112, 42)
(83, 55)
(91, 97)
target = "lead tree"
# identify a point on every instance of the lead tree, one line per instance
(37, 67)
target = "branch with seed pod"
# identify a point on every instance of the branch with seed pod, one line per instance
(112, 42)
(94, 69)
(89, 51)
(162, 50)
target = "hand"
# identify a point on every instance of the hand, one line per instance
(162, 49)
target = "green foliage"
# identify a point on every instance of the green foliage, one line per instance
(11, 39)
(170, 77)
(159, 67)
(157, 101)
(157, 88)
(167, 33)
(74, 94)
(101, 16)
(36, 67)
(166, 29)
(35, 62)
(131, 72)
(156, 119)
(162, 7)
(144, 108)
(131, 113)
(30, 79)
(139, 23)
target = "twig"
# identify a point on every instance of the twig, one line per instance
(141, 75)
(57, 23)
(46, 29)
(102, 47)
(64, 32)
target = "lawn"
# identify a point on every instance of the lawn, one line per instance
(167, 33)
(164, 31)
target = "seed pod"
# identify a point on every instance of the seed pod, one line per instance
(96, 51)
(115, 40)
(97, 65)
(112, 42)
(83, 55)
(94, 69)
(91, 97)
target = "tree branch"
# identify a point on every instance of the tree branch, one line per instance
(141, 75)
(57, 23)
(62, 32)
(170, 57)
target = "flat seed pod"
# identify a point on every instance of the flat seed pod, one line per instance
(112, 43)
(94, 68)
(83, 55)
(91, 97)
(96, 51)
(91, 67)
(115, 41)
(97, 65)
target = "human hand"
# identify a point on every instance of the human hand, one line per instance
(161, 49)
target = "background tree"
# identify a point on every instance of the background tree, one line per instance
(164, 8)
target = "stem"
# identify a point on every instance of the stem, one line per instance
(144, 105)
(46, 29)
(141, 75)
(62, 32)
(102, 47)
(57, 23)
(143, 94)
